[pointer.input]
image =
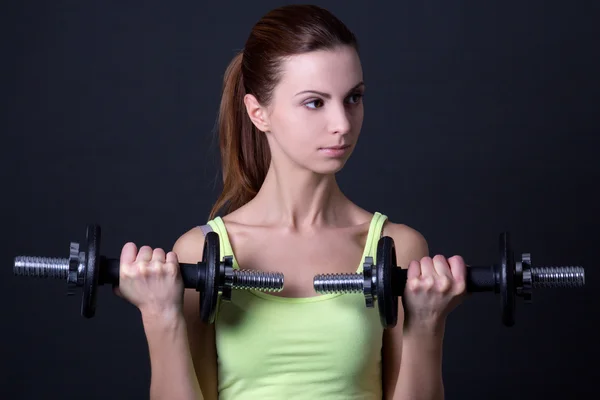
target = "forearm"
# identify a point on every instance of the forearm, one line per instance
(420, 375)
(172, 369)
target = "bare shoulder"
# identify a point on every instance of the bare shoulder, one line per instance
(189, 246)
(409, 242)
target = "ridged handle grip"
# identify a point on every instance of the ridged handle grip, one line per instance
(41, 267)
(263, 281)
(338, 283)
(558, 277)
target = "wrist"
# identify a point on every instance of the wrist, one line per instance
(161, 317)
(434, 328)
(422, 342)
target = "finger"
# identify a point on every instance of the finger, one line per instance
(171, 257)
(145, 254)
(458, 270)
(172, 264)
(159, 255)
(158, 261)
(444, 279)
(413, 276)
(427, 267)
(414, 270)
(441, 267)
(128, 253)
(428, 276)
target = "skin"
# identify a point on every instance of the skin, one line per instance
(300, 215)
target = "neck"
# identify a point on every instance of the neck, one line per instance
(295, 198)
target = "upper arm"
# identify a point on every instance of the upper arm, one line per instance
(201, 336)
(410, 245)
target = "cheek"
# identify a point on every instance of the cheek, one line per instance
(357, 116)
(298, 126)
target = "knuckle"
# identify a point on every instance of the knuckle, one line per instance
(444, 284)
(143, 269)
(412, 285)
(123, 268)
(130, 274)
(427, 283)
(461, 287)
(172, 269)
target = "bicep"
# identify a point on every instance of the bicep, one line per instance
(410, 245)
(201, 336)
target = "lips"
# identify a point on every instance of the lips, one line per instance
(345, 146)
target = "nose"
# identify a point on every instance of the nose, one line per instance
(339, 120)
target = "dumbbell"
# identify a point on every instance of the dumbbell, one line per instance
(383, 282)
(212, 277)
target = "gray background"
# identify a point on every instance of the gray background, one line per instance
(480, 117)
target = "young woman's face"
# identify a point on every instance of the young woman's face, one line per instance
(317, 111)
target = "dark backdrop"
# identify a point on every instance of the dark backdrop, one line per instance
(481, 117)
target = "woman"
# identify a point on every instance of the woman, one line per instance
(290, 117)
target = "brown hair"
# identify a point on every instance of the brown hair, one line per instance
(284, 31)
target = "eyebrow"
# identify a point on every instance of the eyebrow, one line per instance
(327, 95)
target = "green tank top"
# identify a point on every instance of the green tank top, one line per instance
(322, 347)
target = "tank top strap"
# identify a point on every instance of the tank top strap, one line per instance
(218, 226)
(206, 228)
(375, 233)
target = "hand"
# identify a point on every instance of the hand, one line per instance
(150, 280)
(434, 287)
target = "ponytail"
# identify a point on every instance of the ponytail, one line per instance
(245, 154)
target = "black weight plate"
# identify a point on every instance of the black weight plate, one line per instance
(91, 273)
(507, 280)
(225, 278)
(209, 294)
(387, 302)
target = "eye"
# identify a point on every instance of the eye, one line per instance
(313, 102)
(357, 97)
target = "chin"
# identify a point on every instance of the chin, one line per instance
(328, 168)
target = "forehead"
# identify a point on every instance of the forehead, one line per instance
(334, 71)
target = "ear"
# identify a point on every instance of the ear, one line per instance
(257, 113)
